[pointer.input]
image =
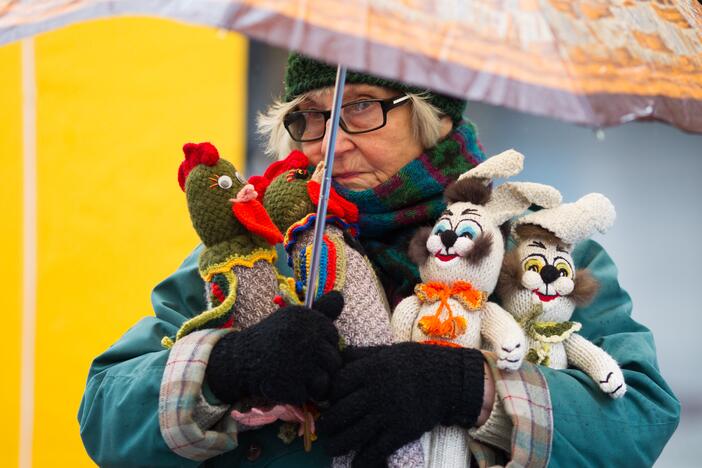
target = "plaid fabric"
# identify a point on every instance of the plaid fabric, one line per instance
(390, 213)
(524, 397)
(191, 426)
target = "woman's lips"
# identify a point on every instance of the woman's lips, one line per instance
(545, 297)
(345, 175)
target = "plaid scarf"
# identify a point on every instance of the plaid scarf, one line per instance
(391, 213)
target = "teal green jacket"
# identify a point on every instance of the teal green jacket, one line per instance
(119, 413)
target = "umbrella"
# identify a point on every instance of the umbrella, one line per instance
(591, 62)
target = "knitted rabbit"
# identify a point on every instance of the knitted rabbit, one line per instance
(237, 261)
(459, 262)
(541, 287)
(290, 194)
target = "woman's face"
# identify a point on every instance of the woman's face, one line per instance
(365, 160)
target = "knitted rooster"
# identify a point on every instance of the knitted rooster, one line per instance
(290, 194)
(237, 261)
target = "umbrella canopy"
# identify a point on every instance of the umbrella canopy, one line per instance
(592, 62)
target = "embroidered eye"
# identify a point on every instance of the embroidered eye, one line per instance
(240, 178)
(441, 226)
(300, 174)
(469, 229)
(563, 269)
(225, 182)
(534, 264)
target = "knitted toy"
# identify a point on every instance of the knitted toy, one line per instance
(290, 194)
(459, 261)
(237, 261)
(540, 286)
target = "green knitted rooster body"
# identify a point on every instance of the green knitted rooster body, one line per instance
(237, 262)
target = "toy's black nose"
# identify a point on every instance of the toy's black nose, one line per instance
(448, 238)
(549, 274)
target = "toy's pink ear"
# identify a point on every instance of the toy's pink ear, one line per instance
(254, 217)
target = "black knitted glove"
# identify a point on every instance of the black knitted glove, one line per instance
(288, 357)
(387, 396)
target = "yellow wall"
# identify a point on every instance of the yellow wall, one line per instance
(11, 253)
(116, 101)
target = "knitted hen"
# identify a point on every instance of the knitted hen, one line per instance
(237, 261)
(290, 194)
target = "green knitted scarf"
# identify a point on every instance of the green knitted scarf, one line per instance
(392, 212)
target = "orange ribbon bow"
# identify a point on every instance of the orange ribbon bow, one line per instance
(434, 291)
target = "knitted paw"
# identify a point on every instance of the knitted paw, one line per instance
(511, 351)
(612, 382)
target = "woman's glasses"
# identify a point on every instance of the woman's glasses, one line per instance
(356, 117)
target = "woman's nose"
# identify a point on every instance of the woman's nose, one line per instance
(343, 141)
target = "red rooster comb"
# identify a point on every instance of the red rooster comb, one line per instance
(295, 160)
(196, 153)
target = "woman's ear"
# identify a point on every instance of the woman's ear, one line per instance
(446, 125)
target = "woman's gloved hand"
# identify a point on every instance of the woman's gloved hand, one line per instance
(387, 396)
(288, 357)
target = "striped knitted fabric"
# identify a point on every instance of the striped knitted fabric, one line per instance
(391, 212)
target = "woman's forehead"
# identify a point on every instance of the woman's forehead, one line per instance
(324, 96)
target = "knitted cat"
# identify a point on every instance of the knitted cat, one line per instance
(540, 286)
(459, 262)
(237, 261)
(290, 194)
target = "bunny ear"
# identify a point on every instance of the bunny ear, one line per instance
(506, 164)
(574, 222)
(510, 199)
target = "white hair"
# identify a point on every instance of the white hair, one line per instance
(426, 123)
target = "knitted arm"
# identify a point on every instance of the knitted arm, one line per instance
(403, 318)
(597, 364)
(505, 336)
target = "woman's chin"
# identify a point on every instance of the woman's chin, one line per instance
(355, 181)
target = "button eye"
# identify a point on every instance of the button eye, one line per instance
(225, 182)
(240, 178)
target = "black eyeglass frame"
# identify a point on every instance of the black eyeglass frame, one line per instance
(385, 104)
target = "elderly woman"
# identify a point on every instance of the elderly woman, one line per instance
(398, 148)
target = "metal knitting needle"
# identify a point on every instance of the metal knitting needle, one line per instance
(321, 220)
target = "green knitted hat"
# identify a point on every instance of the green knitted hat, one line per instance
(304, 74)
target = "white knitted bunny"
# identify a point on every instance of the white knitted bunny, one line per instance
(459, 263)
(540, 286)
